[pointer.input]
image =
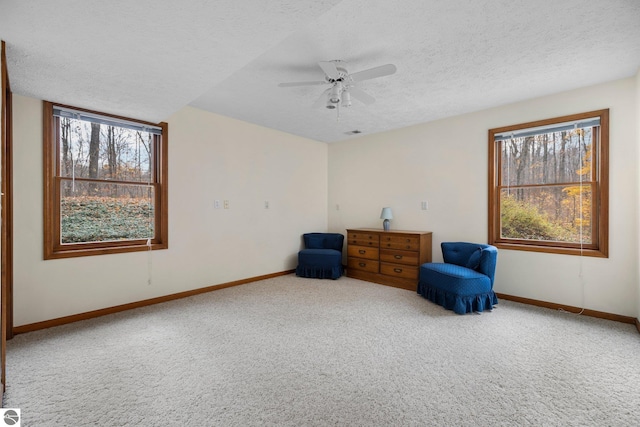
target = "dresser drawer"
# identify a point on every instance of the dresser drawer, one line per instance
(409, 243)
(362, 264)
(363, 239)
(399, 270)
(363, 252)
(399, 257)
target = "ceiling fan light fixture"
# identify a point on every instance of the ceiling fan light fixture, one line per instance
(346, 99)
(334, 96)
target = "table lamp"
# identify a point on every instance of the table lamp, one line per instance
(386, 215)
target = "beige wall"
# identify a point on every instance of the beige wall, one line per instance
(211, 157)
(445, 163)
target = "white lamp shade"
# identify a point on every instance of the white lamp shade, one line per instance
(386, 213)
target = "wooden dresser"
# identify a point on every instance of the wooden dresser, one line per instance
(387, 257)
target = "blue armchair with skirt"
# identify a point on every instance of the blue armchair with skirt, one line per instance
(464, 282)
(322, 256)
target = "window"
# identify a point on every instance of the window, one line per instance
(105, 183)
(548, 185)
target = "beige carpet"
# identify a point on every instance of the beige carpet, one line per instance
(305, 352)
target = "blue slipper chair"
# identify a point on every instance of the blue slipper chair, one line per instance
(322, 256)
(464, 282)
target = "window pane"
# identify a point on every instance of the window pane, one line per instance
(547, 158)
(559, 213)
(92, 150)
(101, 212)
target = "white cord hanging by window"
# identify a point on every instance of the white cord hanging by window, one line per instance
(150, 218)
(580, 173)
(73, 162)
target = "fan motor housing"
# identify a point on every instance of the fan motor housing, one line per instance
(342, 74)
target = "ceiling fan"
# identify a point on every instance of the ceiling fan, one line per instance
(342, 84)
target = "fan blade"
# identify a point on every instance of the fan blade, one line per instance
(372, 73)
(329, 69)
(361, 95)
(322, 99)
(293, 84)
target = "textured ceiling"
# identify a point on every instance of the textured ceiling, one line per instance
(148, 59)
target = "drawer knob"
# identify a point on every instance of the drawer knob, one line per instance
(397, 256)
(362, 264)
(408, 246)
(397, 270)
(362, 251)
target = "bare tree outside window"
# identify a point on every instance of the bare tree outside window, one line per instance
(546, 186)
(105, 177)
